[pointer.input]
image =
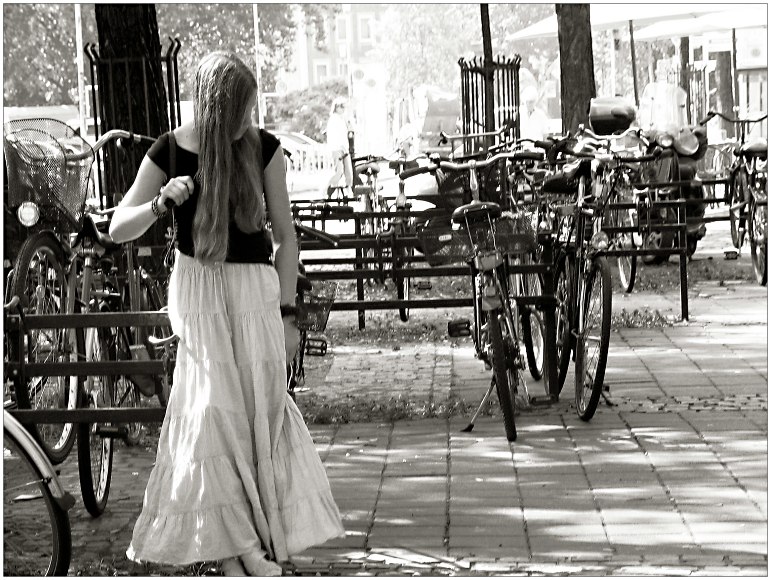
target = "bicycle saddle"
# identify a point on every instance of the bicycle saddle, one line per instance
(755, 149)
(566, 181)
(402, 164)
(476, 211)
(368, 168)
(91, 231)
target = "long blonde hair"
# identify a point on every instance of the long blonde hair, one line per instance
(226, 168)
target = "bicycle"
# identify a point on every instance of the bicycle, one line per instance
(483, 237)
(583, 280)
(314, 302)
(90, 284)
(746, 193)
(36, 524)
(55, 271)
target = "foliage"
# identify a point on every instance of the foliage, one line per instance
(39, 66)
(39, 60)
(306, 111)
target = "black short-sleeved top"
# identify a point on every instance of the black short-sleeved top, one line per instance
(242, 247)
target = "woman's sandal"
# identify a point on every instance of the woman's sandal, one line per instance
(232, 567)
(257, 565)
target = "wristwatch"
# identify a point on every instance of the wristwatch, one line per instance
(288, 310)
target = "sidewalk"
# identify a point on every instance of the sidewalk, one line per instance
(669, 477)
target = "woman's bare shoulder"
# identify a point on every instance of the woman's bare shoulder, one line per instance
(186, 137)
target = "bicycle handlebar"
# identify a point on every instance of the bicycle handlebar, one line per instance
(712, 114)
(329, 239)
(13, 304)
(631, 131)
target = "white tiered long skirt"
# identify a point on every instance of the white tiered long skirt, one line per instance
(236, 468)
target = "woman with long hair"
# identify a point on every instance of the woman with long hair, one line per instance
(237, 477)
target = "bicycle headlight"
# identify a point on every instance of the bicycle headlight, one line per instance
(28, 214)
(599, 241)
(666, 140)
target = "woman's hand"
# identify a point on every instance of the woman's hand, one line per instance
(178, 189)
(291, 338)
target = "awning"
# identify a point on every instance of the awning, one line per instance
(740, 17)
(610, 16)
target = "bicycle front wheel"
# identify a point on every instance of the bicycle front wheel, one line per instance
(627, 264)
(758, 230)
(36, 529)
(40, 282)
(533, 329)
(593, 338)
(503, 379)
(94, 449)
(736, 213)
(565, 297)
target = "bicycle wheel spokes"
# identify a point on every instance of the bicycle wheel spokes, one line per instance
(737, 192)
(593, 339)
(94, 450)
(36, 530)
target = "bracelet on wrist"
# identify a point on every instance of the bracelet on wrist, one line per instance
(288, 310)
(154, 206)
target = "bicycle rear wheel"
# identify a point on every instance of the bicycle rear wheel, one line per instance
(40, 282)
(502, 377)
(94, 449)
(36, 529)
(627, 265)
(593, 339)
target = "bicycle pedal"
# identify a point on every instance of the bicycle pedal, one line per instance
(732, 254)
(112, 431)
(606, 388)
(459, 327)
(423, 285)
(316, 347)
(543, 401)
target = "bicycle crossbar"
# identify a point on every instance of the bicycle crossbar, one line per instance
(106, 415)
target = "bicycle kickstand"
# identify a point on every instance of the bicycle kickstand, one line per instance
(468, 428)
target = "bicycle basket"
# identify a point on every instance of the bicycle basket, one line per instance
(313, 307)
(454, 185)
(510, 234)
(48, 164)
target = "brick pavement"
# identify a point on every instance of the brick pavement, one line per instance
(669, 478)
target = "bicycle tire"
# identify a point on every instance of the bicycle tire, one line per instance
(401, 256)
(627, 265)
(532, 320)
(37, 540)
(151, 299)
(590, 377)
(737, 193)
(126, 394)
(42, 256)
(95, 451)
(758, 230)
(501, 376)
(564, 335)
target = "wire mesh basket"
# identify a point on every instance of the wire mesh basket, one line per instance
(510, 234)
(50, 165)
(313, 307)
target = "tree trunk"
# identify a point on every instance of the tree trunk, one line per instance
(685, 73)
(724, 84)
(574, 33)
(132, 94)
(487, 49)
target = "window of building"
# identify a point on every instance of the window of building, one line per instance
(342, 69)
(365, 28)
(322, 72)
(341, 28)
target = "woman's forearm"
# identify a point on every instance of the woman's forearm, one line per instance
(286, 266)
(128, 223)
